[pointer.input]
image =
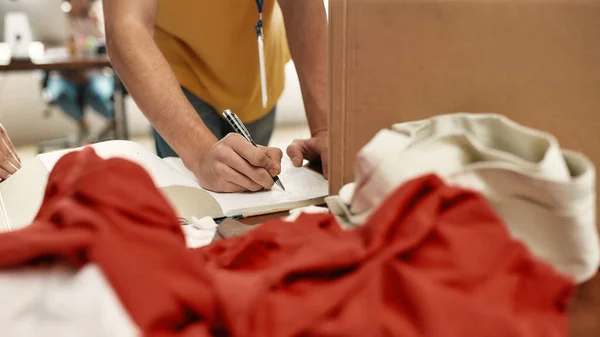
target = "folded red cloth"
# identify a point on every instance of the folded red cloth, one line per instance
(433, 260)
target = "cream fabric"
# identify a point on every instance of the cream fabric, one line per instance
(545, 194)
(58, 301)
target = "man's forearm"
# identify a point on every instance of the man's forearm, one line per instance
(152, 84)
(306, 24)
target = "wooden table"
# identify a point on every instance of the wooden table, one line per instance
(56, 63)
(255, 220)
(585, 311)
(67, 62)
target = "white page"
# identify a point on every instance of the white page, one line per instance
(177, 164)
(162, 174)
(21, 195)
(300, 183)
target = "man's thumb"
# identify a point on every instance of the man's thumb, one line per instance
(295, 152)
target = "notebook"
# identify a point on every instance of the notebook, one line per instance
(21, 195)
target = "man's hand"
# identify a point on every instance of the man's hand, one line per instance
(235, 165)
(313, 149)
(9, 161)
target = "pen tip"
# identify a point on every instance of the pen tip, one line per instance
(278, 182)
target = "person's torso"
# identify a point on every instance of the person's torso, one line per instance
(212, 49)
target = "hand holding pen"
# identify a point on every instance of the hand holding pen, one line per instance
(239, 127)
(230, 164)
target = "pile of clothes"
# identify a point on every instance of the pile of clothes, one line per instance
(106, 256)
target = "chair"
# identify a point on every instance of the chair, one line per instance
(69, 141)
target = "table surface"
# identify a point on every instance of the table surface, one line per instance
(585, 310)
(53, 63)
(255, 220)
(52, 58)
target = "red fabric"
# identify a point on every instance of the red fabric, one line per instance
(432, 261)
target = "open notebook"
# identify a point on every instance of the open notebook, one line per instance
(21, 195)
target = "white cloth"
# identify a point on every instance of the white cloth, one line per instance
(545, 195)
(200, 232)
(296, 212)
(57, 301)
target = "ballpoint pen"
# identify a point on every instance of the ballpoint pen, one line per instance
(240, 128)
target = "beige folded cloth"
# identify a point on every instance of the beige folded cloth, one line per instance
(545, 194)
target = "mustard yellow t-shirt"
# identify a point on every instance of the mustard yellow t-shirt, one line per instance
(212, 49)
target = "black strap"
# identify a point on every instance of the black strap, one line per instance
(259, 24)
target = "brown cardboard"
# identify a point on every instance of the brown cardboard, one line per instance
(229, 228)
(535, 61)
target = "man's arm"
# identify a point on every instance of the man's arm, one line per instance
(306, 27)
(129, 27)
(229, 165)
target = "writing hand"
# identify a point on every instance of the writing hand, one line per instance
(234, 165)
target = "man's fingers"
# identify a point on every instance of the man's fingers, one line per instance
(7, 152)
(13, 152)
(3, 174)
(303, 149)
(8, 159)
(274, 153)
(236, 178)
(296, 152)
(227, 187)
(6, 144)
(7, 165)
(256, 156)
(274, 166)
(252, 154)
(257, 177)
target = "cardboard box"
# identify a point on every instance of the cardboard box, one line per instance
(535, 61)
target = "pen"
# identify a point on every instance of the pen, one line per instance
(240, 128)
